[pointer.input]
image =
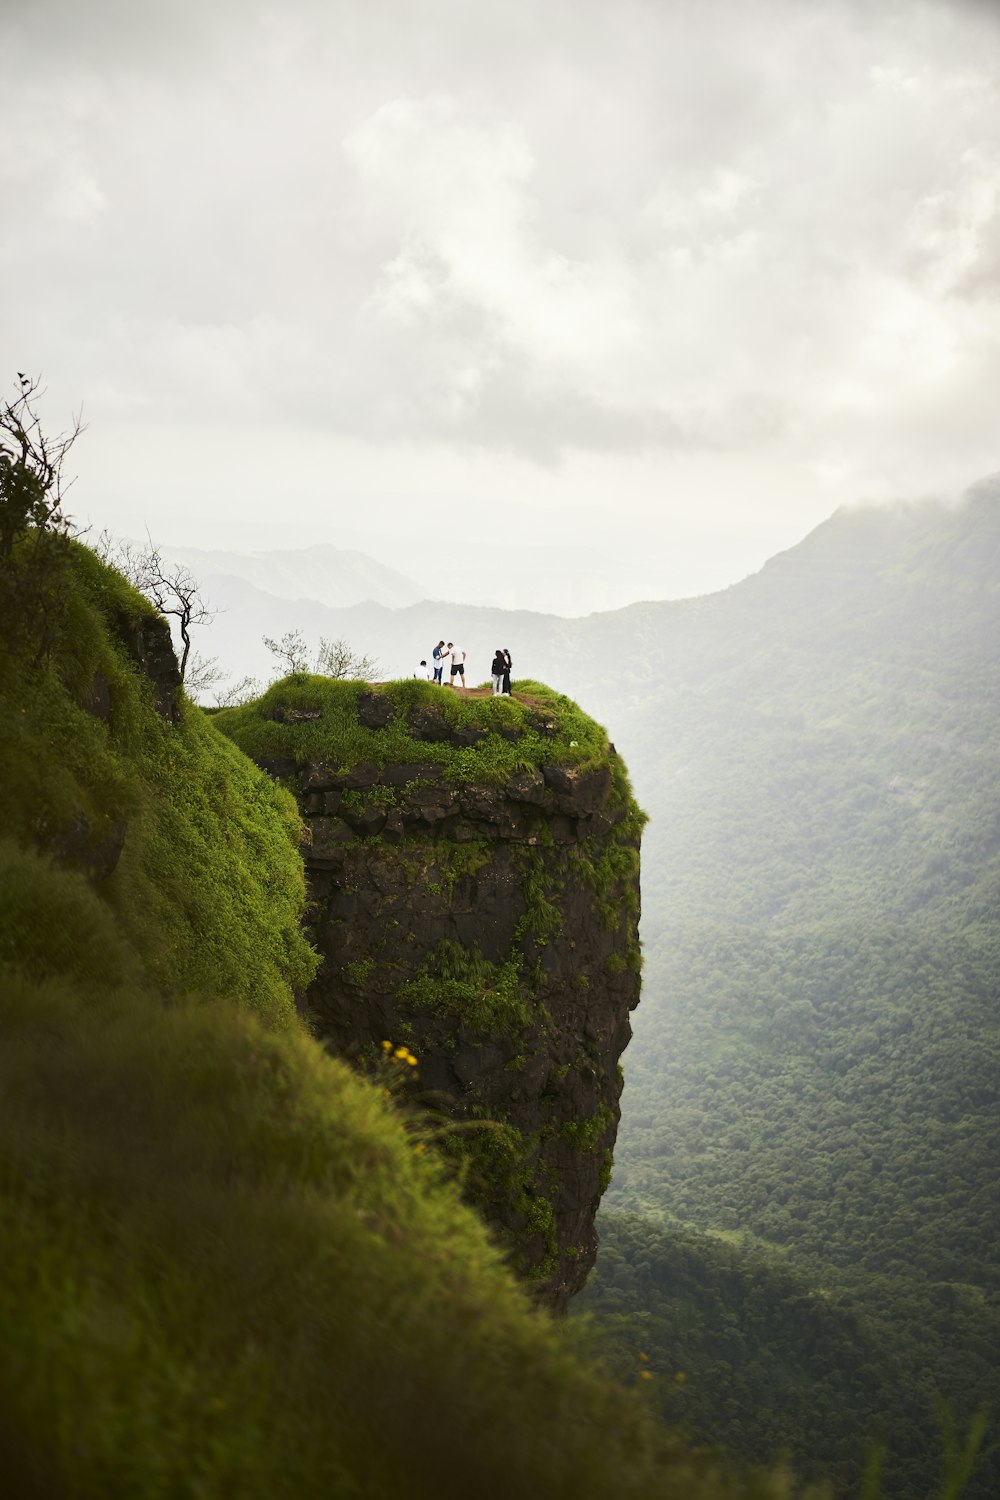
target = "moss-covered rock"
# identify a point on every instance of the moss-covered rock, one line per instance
(474, 871)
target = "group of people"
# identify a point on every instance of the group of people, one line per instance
(453, 657)
(501, 672)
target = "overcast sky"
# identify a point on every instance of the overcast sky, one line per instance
(579, 301)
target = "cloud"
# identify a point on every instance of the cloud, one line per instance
(542, 230)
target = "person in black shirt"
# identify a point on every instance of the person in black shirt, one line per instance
(498, 668)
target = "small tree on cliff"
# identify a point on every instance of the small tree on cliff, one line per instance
(333, 659)
(31, 468)
(337, 659)
(32, 599)
(175, 592)
(291, 652)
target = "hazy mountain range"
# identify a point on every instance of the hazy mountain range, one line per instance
(324, 574)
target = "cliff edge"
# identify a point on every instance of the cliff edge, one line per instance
(473, 865)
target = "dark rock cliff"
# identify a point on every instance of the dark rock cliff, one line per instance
(476, 906)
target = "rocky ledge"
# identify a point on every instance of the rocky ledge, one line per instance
(484, 926)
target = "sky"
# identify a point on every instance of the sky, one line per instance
(551, 303)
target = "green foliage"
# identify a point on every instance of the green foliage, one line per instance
(488, 997)
(209, 887)
(749, 1355)
(836, 1087)
(53, 923)
(584, 1135)
(497, 1162)
(338, 739)
(30, 470)
(228, 1266)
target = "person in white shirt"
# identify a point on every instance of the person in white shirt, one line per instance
(424, 672)
(457, 665)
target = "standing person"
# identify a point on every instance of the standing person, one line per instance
(457, 665)
(507, 664)
(498, 668)
(439, 654)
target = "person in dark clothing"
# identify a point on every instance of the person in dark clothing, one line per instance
(507, 664)
(497, 670)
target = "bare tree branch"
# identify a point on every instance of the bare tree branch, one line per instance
(238, 693)
(203, 672)
(338, 659)
(291, 651)
(169, 586)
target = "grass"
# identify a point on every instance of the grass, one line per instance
(209, 888)
(338, 739)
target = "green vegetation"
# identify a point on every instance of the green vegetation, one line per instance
(488, 997)
(208, 890)
(229, 1270)
(583, 1135)
(231, 1266)
(748, 1352)
(404, 964)
(570, 738)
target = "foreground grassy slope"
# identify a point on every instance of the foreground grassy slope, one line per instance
(230, 1268)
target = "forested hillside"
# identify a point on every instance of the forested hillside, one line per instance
(815, 1071)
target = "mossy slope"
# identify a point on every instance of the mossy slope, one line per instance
(191, 849)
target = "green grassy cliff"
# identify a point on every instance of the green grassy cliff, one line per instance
(231, 1267)
(473, 869)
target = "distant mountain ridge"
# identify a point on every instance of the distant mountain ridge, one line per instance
(332, 576)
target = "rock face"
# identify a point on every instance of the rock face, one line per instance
(489, 930)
